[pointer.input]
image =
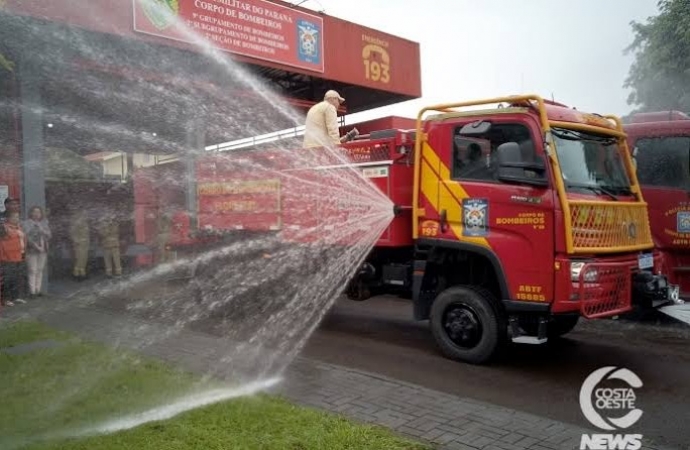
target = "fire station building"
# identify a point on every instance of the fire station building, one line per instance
(92, 91)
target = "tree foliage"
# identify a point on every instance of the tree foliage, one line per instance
(6, 64)
(660, 74)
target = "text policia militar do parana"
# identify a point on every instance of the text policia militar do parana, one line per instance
(257, 15)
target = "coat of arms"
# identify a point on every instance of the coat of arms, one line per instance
(475, 217)
(308, 41)
(161, 13)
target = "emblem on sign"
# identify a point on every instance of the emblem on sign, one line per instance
(475, 213)
(309, 46)
(161, 13)
(683, 222)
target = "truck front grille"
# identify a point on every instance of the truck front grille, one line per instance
(609, 227)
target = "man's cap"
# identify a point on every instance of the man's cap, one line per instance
(11, 199)
(333, 94)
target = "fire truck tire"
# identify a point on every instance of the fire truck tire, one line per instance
(562, 325)
(467, 324)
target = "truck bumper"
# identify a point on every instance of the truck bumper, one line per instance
(605, 288)
(654, 290)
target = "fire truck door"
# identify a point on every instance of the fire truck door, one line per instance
(510, 219)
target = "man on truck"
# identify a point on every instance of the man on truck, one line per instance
(321, 126)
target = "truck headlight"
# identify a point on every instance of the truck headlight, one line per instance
(576, 268)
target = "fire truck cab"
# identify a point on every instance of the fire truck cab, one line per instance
(523, 218)
(660, 144)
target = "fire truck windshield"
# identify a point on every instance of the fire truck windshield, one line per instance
(591, 163)
(664, 162)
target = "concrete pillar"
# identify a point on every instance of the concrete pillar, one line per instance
(195, 144)
(33, 191)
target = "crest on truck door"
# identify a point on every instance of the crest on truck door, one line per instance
(475, 217)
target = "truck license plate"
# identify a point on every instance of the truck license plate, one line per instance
(645, 261)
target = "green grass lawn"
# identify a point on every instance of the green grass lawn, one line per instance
(47, 392)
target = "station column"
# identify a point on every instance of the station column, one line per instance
(195, 144)
(33, 186)
(33, 176)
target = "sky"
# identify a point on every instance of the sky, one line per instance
(571, 50)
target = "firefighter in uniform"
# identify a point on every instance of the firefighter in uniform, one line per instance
(109, 231)
(81, 236)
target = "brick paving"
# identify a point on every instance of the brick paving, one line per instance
(445, 421)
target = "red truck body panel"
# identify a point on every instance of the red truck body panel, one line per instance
(231, 197)
(658, 117)
(392, 173)
(271, 190)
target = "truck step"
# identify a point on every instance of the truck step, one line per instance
(529, 340)
(520, 338)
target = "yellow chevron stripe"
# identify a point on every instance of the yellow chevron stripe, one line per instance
(430, 184)
(430, 155)
(443, 194)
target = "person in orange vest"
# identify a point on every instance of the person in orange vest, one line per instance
(12, 250)
(11, 206)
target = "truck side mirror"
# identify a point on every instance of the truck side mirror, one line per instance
(512, 168)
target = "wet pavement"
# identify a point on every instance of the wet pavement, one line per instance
(370, 362)
(379, 336)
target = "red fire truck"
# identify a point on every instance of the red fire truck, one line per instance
(660, 142)
(511, 221)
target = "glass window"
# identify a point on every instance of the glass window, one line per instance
(664, 162)
(591, 162)
(474, 157)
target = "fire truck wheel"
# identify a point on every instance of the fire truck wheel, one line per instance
(467, 324)
(563, 325)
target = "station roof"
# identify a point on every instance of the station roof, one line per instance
(112, 73)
